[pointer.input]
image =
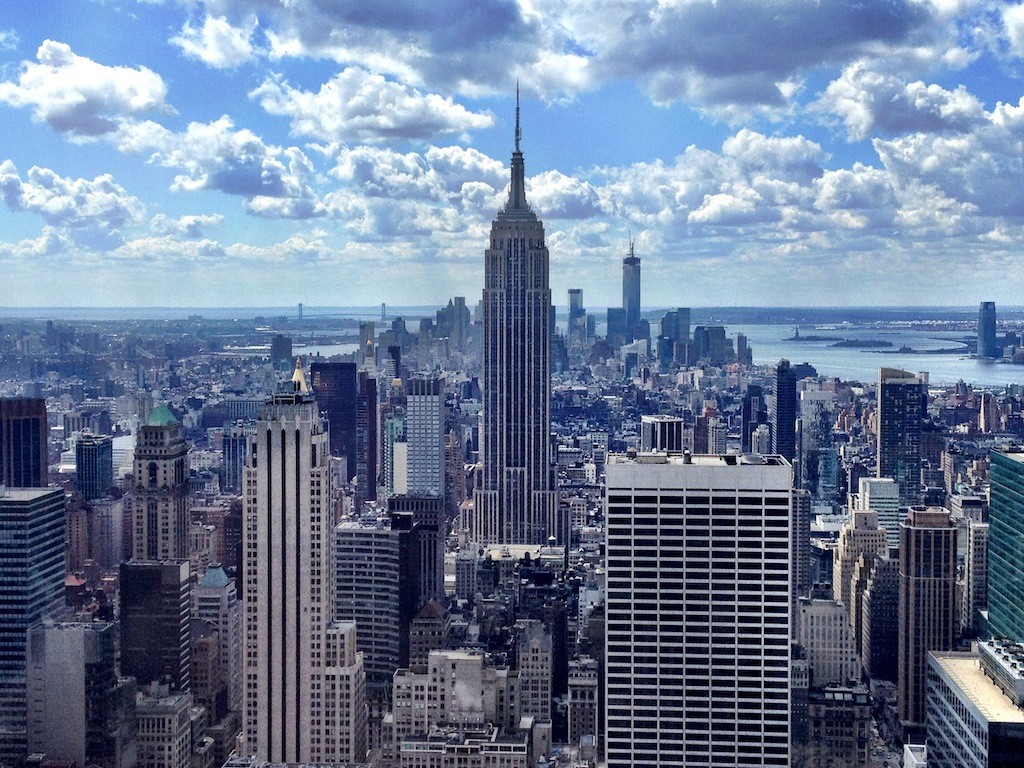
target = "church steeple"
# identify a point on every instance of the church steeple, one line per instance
(517, 191)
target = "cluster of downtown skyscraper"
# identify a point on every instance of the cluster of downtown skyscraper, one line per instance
(694, 611)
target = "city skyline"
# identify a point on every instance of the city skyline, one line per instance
(159, 153)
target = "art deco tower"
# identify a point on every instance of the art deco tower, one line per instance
(516, 504)
(304, 682)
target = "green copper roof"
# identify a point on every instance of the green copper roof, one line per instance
(161, 417)
(214, 578)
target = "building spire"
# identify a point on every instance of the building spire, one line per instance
(519, 133)
(299, 378)
(517, 190)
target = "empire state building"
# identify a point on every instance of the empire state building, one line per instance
(516, 502)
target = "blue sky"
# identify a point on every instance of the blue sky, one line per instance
(345, 152)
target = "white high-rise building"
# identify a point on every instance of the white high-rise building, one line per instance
(882, 495)
(860, 535)
(698, 611)
(424, 427)
(302, 673)
(215, 599)
(828, 640)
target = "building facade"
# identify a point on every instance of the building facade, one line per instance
(900, 410)
(155, 612)
(160, 497)
(674, 698)
(975, 719)
(78, 708)
(1006, 527)
(783, 413)
(927, 607)
(23, 442)
(94, 465)
(296, 660)
(31, 590)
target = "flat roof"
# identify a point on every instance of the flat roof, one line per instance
(26, 494)
(965, 672)
(700, 459)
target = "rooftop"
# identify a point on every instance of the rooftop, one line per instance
(162, 417)
(701, 460)
(965, 672)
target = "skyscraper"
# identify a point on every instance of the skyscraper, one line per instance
(987, 329)
(334, 385)
(1006, 529)
(784, 411)
(900, 406)
(697, 644)
(375, 577)
(155, 605)
(94, 465)
(80, 711)
(160, 520)
(31, 589)
(516, 503)
(927, 612)
(23, 444)
(424, 428)
(753, 414)
(631, 291)
(304, 683)
(215, 600)
(236, 438)
(366, 439)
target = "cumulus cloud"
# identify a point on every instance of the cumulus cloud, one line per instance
(736, 51)
(80, 97)
(563, 197)
(982, 167)
(357, 105)
(192, 226)
(64, 202)
(1013, 27)
(217, 43)
(168, 250)
(217, 156)
(869, 102)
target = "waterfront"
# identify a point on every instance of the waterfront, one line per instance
(772, 342)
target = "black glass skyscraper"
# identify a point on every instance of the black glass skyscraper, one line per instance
(900, 410)
(334, 385)
(23, 431)
(784, 411)
(987, 329)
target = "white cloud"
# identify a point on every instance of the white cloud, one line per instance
(168, 250)
(192, 226)
(563, 197)
(356, 105)
(1013, 27)
(215, 156)
(8, 39)
(871, 102)
(78, 96)
(982, 167)
(217, 43)
(65, 202)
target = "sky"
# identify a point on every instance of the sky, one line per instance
(201, 153)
